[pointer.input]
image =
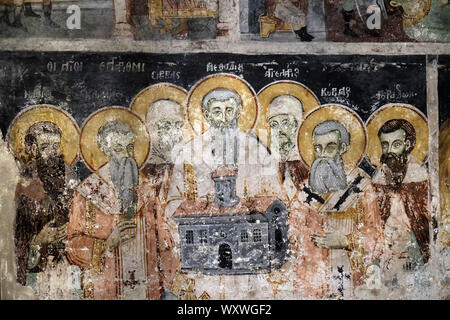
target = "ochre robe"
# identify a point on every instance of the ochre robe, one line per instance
(358, 218)
(94, 215)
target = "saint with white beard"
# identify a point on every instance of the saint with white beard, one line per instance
(342, 201)
(225, 143)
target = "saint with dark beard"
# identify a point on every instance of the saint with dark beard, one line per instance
(402, 188)
(43, 198)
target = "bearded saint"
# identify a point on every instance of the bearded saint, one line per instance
(112, 228)
(402, 187)
(165, 125)
(284, 118)
(224, 144)
(43, 197)
(339, 208)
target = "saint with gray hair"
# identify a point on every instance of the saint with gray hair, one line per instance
(222, 109)
(116, 140)
(113, 217)
(331, 139)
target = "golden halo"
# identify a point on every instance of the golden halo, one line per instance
(346, 116)
(164, 90)
(275, 89)
(44, 112)
(249, 111)
(397, 111)
(90, 152)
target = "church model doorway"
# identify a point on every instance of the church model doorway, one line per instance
(225, 256)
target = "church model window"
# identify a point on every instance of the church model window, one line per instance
(244, 236)
(236, 236)
(189, 237)
(203, 236)
(256, 235)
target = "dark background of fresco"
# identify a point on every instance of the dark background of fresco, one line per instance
(444, 88)
(81, 93)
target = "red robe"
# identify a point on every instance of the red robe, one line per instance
(91, 222)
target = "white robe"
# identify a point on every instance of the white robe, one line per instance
(290, 14)
(257, 175)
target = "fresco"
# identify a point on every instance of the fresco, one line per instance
(129, 19)
(345, 20)
(289, 176)
(444, 116)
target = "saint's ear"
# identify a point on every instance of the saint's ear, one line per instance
(33, 150)
(238, 111)
(408, 145)
(206, 114)
(295, 123)
(344, 148)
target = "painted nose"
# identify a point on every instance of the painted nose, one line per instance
(391, 149)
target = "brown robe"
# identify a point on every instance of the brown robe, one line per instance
(414, 196)
(36, 208)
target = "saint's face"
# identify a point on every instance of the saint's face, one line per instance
(283, 128)
(328, 145)
(221, 114)
(48, 145)
(119, 146)
(394, 142)
(169, 131)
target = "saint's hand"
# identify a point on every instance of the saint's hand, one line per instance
(51, 234)
(331, 240)
(121, 234)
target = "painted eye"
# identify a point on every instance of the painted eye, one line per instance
(274, 124)
(317, 149)
(398, 145)
(285, 122)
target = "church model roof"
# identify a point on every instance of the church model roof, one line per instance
(209, 208)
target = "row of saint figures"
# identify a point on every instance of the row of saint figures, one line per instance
(113, 235)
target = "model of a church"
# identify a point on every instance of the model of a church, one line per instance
(229, 235)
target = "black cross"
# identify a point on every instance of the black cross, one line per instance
(132, 282)
(341, 277)
(312, 195)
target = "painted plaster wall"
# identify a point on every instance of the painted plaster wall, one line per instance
(438, 265)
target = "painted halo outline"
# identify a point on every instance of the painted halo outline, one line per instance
(275, 89)
(50, 113)
(353, 156)
(89, 150)
(387, 112)
(162, 91)
(250, 103)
